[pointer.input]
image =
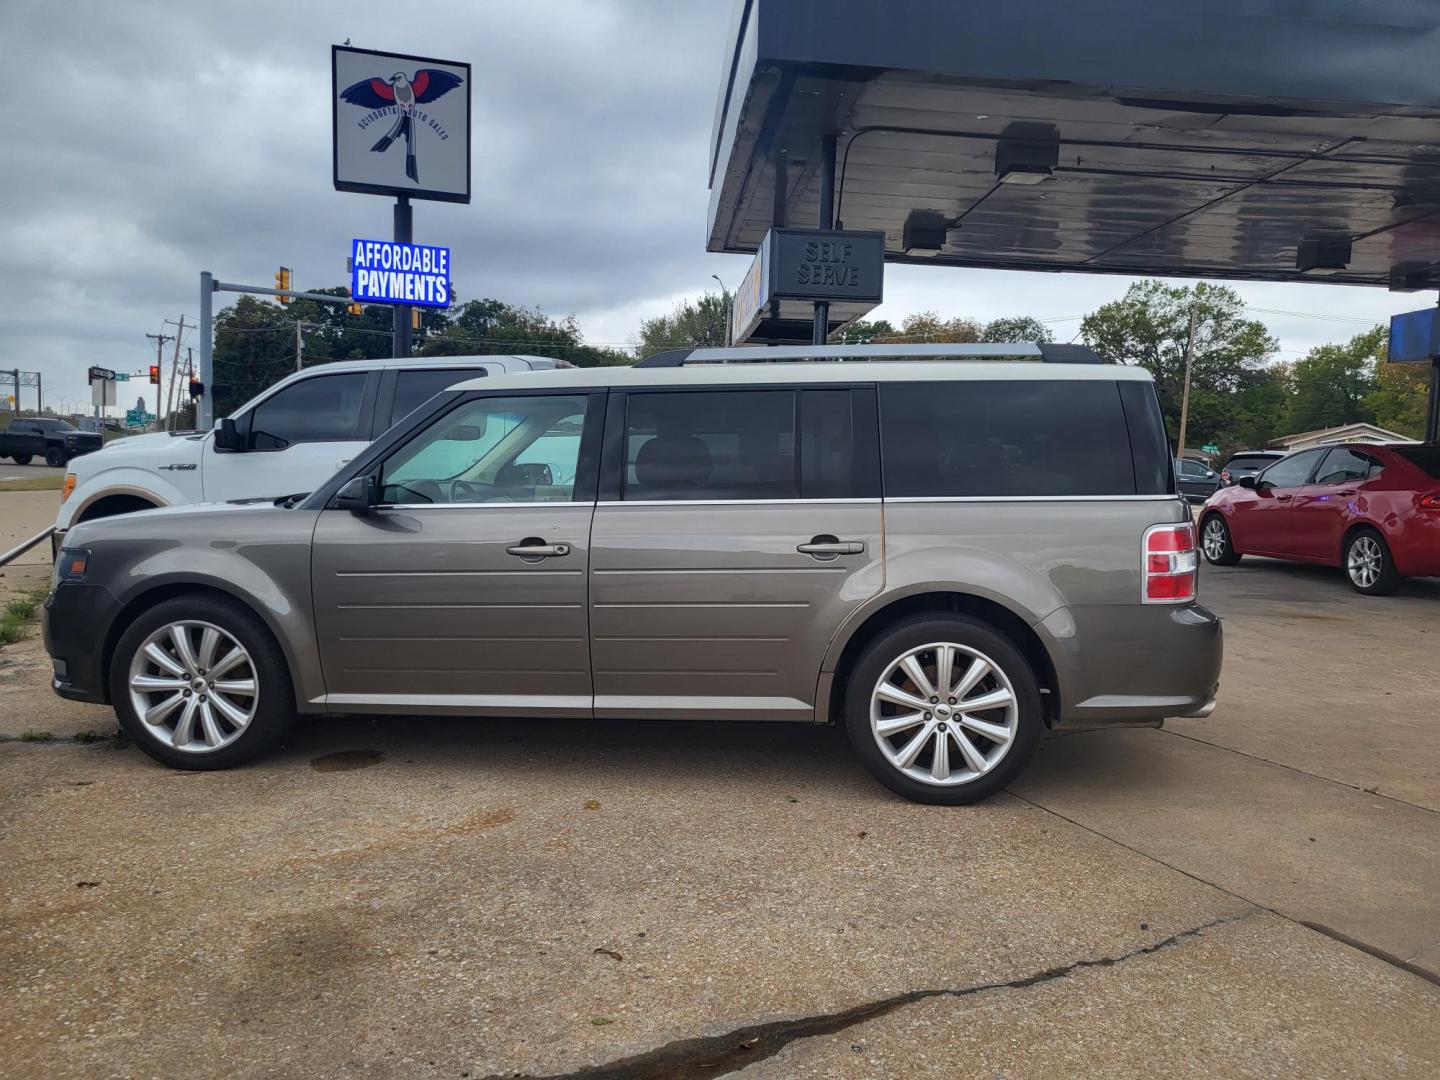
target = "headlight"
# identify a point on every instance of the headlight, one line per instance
(72, 564)
(70, 482)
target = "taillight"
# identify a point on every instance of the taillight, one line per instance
(1172, 564)
(1431, 501)
(1225, 475)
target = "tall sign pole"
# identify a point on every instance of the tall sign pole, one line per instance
(205, 404)
(401, 127)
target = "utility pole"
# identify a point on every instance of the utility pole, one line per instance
(159, 340)
(1185, 395)
(299, 345)
(174, 374)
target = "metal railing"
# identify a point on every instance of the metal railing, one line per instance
(25, 545)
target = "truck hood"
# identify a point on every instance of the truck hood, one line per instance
(150, 450)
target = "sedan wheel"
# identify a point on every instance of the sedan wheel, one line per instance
(1369, 566)
(1215, 542)
(944, 714)
(194, 686)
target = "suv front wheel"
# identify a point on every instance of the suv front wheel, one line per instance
(198, 682)
(942, 709)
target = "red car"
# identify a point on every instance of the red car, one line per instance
(1372, 509)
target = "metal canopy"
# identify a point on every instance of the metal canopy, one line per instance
(1226, 139)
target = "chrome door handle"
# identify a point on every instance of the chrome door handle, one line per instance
(1346, 491)
(1283, 498)
(831, 547)
(538, 551)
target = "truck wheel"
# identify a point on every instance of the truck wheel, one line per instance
(199, 683)
(55, 457)
(21, 459)
(943, 709)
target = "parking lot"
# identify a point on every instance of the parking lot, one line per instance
(1251, 894)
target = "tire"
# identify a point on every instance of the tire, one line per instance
(920, 638)
(1215, 542)
(55, 457)
(267, 711)
(1368, 564)
(22, 459)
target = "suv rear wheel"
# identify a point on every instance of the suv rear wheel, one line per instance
(21, 459)
(942, 709)
(199, 683)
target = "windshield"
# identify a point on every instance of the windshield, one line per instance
(53, 425)
(1251, 461)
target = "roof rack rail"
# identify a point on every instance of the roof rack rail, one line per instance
(774, 354)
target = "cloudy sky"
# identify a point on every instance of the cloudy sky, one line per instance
(155, 140)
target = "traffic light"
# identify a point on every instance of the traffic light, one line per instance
(196, 388)
(282, 282)
(414, 318)
(155, 374)
(355, 308)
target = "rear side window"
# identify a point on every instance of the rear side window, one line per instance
(1426, 457)
(1015, 438)
(710, 445)
(1344, 466)
(414, 388)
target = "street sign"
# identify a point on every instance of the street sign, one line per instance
(401, 124)
(1210, 448)
(138, 418)
(97, 373)
(385, 272)
(121, 376)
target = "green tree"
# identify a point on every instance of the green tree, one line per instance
(1333, 382)
(698, 322)
(926, 326)
(1017, 328)
(864, 332)
(487, 327)
(1400, 397)
(1149, 327)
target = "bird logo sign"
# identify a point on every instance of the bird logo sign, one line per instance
(398, 98)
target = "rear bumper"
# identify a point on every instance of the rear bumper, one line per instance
(1135, 664)
(77, 619)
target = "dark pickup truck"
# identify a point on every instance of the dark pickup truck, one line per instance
(54, 440)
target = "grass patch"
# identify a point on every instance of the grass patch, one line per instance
(36, 736)
(18, 614)
(52, 482)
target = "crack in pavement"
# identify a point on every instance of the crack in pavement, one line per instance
(715, 1055)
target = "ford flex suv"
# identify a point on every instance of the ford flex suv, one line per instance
(950, 558)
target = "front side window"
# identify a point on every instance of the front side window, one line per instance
(1005, 438)
(1292, 471)
(1344, 466)
(326, 408)
(727, 444)
(491, 450)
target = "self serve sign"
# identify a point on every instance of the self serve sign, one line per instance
(385, 272)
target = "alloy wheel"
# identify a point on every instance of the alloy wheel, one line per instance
(1214, 540)
(1365, 561)
(944, 714)
(194, 686)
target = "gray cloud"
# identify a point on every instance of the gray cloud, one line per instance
(155, 140)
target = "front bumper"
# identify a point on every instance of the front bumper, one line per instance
(77, 620)
(1134, 664)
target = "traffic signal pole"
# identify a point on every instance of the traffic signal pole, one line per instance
(205, 405)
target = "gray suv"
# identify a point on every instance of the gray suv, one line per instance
(948, 557)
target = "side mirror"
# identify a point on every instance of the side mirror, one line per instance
(1247, 482)
(227, 437)
(360, 495)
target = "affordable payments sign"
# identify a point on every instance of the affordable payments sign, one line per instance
(385, 272)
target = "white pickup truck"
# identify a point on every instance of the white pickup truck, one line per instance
(287, 440)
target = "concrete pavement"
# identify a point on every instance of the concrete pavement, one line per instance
(425, 897)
